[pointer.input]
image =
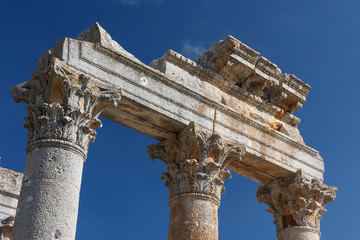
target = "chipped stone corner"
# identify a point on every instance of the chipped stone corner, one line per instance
(96, 34)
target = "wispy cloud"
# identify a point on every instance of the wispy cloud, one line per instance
(136, 2)
(128, 2)
(192, 51)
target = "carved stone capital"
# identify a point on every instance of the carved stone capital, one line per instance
(196, 162)
(63, 106)
(296, 200)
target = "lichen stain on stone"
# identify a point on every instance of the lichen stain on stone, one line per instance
(279, 113)
(232, 103)
(252, 115)
(161, 88)
(275, 125)
(94, 86)
(47, 182)
(200, 108)
(56, 92)
(213, 155)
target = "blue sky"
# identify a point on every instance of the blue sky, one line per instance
(122, 196)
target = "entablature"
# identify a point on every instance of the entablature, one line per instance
(161, 99)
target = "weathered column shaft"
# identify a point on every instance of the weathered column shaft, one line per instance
(192, 217)
(49, 199)
(196, 164)
(297, 204)
(63, 112)
(299, 233)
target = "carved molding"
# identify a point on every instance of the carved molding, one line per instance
(228, 111)
(196, 162)
(296, 200)
(63, 104)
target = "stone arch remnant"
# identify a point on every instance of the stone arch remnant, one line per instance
(232, 109)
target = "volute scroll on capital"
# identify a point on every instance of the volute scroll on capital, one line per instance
(296, 201)
(196, 162)
(64, 106)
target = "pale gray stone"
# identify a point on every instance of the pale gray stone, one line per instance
(63, 108)
(10, 184)
(48, 206)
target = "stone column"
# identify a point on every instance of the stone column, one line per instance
(63, 108)
(196, 163)
(297, 204)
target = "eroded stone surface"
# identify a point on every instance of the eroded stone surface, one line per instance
(298, 203)
(63, 105)
(192, 217)
(161, 99)
(63, 108)
(244, 67)
(96, 34)
(196, 162)
(10, 184)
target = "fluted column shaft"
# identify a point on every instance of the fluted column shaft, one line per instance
(196, 163)
(297, 204)
(63, 109)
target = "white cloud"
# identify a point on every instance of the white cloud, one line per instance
(129, 2)
(192, 51)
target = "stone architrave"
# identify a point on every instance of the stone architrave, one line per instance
(63, 108)
(297, 204)
(231, 89)
(196, 162)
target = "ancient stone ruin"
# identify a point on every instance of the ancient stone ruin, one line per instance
(232, 109)
(10, 184)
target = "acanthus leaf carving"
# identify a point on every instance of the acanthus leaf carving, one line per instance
(296, 200)
(64, 105)
(196, 162)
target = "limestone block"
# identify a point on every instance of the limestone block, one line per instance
(10, 184)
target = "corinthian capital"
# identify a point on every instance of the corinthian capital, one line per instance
(296, 200)
(64, 106)
(196, 162)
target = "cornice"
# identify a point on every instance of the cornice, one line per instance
(227, 86)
